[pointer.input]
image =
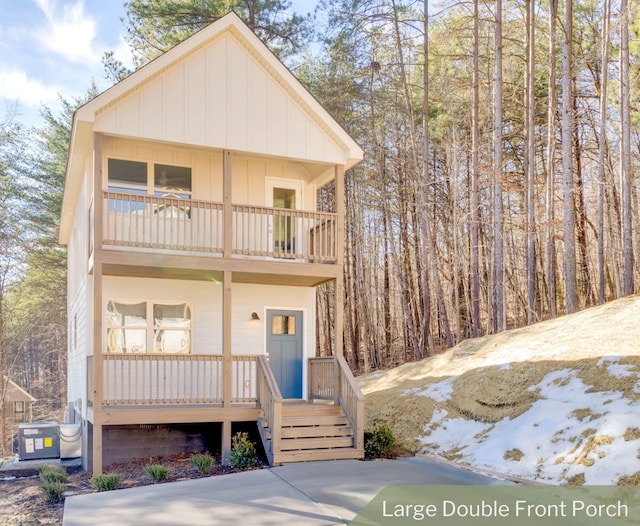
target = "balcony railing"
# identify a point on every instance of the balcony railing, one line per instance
(144, 221)
(150, 379)
(172, 223)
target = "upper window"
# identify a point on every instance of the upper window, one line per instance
(153, 179)
(148, 327)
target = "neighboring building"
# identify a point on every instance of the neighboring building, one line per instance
(18, 402)
(195, 250)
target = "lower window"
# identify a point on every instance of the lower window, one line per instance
(140, 327)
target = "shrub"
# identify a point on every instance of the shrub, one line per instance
(157, 472)
(203, 462)
(106, 481)
(52, 473)
(53, 490)
(243, 452)
(379, 441)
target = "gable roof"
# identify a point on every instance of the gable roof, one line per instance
(15, 393)
(221, 88)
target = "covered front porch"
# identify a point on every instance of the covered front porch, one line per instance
(154, 389)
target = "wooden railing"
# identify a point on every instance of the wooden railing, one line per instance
(244, 380)
(90, 381)
(284, 233)
(351, 399)
(269, 400)
(131, 379)
(172, 223)
(322, 379)
(331, 379)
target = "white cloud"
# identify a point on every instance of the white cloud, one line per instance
(70, 32)
(123, 53)
(15, 85)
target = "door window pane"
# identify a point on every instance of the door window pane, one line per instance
(284, 225)
(283, 324)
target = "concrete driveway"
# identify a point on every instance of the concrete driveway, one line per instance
(314, 493)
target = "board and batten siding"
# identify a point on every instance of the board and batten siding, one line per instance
(77, 339)
(248, 336)
(221, 96)
(248, 172)
(78, 251)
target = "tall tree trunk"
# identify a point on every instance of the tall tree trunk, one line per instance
(569, 222)
(625, 151)
(474, 196)
(602, 146)
(530, 161)
(551, 167)
(499, 316)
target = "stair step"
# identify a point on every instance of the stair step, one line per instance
(315, 443)
(318, 454)
(317, 431)
(314, 420)
(311, 409)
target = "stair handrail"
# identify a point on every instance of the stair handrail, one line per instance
(351, 399)
(269, 399)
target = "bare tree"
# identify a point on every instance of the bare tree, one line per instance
(602, 145)
(625, 150)
(569, 221)
(499, 317)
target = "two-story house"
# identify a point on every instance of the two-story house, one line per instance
(195, 249)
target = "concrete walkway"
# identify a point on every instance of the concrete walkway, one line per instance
(306, 494)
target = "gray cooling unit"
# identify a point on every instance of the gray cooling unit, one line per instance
(38, 440)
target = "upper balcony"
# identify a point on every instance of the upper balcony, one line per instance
(137, 222)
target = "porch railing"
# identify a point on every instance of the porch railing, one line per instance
(172, 223)
(331, 379)
(150, 379)
(322, 378)
(269, 400)
(284, 233)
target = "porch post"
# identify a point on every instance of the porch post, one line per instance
(97, 305)
(339, 283)
(227, 204)
(227, 378)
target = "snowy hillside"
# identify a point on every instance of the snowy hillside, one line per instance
(557, 402)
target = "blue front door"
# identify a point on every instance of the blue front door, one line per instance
(284, 349)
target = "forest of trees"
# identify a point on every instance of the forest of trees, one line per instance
(498, 186)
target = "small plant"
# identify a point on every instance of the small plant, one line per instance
(53, 490)
(52, 473)
(106, 481)
(202, 462)
(379, 441)
(157, 472)
(243, 452)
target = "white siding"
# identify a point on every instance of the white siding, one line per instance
(222, 96)
(248, 336)
(205, 297)
(248, 172)
(77, 350)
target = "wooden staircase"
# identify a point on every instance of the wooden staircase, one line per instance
(309, 432)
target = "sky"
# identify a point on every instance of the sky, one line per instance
(53, 48)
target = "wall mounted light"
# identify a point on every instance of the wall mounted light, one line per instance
(254, 316)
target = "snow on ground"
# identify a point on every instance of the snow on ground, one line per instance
(581, 424)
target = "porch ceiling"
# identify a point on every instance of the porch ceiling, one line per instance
(213, 275)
